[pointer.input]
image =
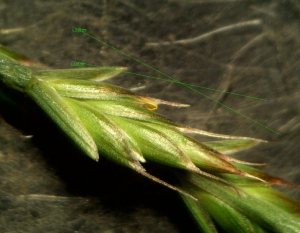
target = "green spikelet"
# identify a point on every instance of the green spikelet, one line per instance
(221, 192)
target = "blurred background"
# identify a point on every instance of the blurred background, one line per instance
(248, 47)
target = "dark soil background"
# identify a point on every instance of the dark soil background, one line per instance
(47, 185)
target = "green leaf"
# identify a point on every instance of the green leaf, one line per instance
(96, 74)
(155, 144)
(231, 146)
(200, 215)
(12, 54)
(257, 208)
(110, 139)
(63, 115)
(227, 217)
(276, 198)
(93, 90)
(130, 110)
(202, 156)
